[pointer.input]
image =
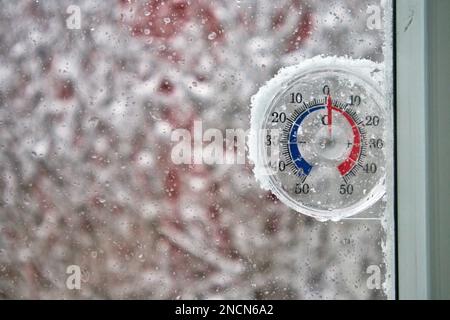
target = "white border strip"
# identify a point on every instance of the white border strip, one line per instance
(412, 204)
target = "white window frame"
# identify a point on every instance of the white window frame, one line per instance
(423, 148)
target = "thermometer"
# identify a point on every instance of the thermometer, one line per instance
(318, 137)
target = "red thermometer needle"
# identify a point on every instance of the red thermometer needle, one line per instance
(330, 114)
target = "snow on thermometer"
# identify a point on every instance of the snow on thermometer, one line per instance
(318, 136)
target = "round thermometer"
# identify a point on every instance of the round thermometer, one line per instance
(318, 137)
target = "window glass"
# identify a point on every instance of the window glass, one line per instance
(98, 197)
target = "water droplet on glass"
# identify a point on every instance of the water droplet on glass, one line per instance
(212, 36)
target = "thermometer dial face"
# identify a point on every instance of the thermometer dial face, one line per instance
(323, 144)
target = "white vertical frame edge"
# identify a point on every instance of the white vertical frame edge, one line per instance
(412, 166)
